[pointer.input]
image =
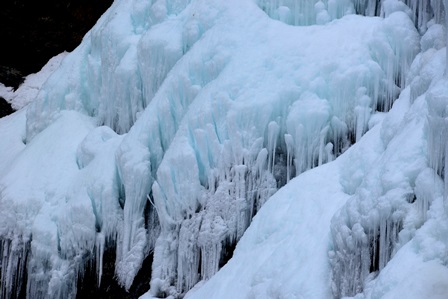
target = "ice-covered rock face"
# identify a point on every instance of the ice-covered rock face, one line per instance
(393, 201)
(226, 147)
(218, 106)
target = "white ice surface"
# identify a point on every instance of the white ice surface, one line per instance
(66, 192)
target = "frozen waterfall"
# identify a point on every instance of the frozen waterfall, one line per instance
(168, 132)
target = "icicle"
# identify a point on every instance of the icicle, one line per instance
(427, 188)
(289, 155)
(100, 242)
(240, 198)
(362, 111)
(14, 256)
(367, 8)
(273, 130)
(322, 137)
(329, 151)
(300, 155)
(188, 257)
(260, 163)
(211, 236)
(365, 232)
(135, 173)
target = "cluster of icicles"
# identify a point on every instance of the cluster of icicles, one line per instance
(366, 230)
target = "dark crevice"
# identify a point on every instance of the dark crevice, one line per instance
(226, 253)
(18, 255)
(374, 254)
(391, 237)
(199, 265)
(342, 141)
(351, 136)
(5, 108)
(11, 77)
(411, 198)
(110, 288)
(280, 168)
(381, 106)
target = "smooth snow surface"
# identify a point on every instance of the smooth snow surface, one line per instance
(169, 130)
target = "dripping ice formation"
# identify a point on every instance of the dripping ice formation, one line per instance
(174, 123)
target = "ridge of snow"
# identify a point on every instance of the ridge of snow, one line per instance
(29, 89)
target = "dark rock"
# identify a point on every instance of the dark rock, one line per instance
(109, 288)
(31, 32)
(10, 77)
(5, 108)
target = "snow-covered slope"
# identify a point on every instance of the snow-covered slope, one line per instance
(29, 89)
(174, 123)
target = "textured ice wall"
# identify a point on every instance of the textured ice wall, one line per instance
(215, 127)
(232, 141)
(391, 204)
(103, 77)
(303, 13)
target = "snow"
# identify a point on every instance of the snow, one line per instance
(64, 190)
(29, 89)
(181, 129)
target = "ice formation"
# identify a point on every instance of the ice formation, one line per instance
(174, 122)
(30, 88)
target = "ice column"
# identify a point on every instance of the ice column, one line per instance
(13, 260)
(364, 233)
(135, 173)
